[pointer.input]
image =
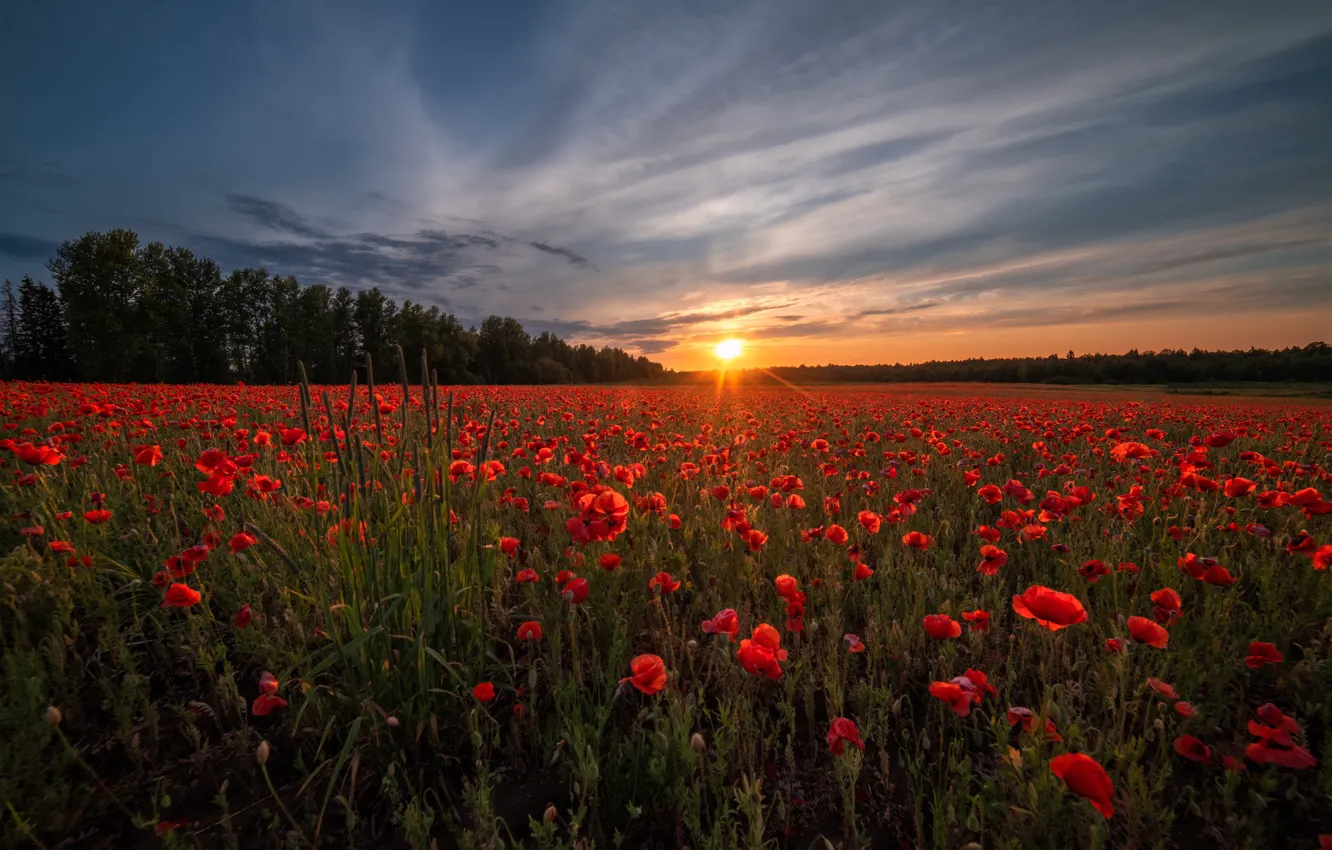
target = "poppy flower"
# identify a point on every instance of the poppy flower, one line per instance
(942, 626)
(663, 583)
(509, 546)
(241, 541)
(957, 697)
(575, 591)
(980, 620)
(1161, 688)
(266, 704)
(1025, 716)
(870, 521)
(1086, 778)
(724, 622)
(147, 455)
(1114, 645)
(1192, 748)
(530, 630)
(1051, 608)
(1093, 570)
(836, 534)
(181, 596)
(853, 643)
(861, 572)
(917, 540)
(527, 576)
(786, 586)
(609, 561)
(1146, 631)
(761, 655)
(649, 673)
(1184, 709)
(1218, 576)
(992, 558)
(1322, 558)
(97, 516)
(62, 547)
(1262, 653)
(991, 494)
(988, 534)
(484, 692)
(755, 539)
(243, 616)
(842, 732)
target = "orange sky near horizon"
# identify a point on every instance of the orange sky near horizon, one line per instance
(1265, 330)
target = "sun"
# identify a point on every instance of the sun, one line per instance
(729, 349)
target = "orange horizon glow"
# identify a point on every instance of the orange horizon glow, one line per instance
(1270, 331)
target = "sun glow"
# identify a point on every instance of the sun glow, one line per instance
(729, 349)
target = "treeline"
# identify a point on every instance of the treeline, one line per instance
(1313, 362)
(119, 311)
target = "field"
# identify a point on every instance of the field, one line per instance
(570, 617)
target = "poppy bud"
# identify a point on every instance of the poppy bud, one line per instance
(261, 754)
(697, 744)
(392, 722)
(1159, 724)
(691, 645)
(53, 716)
(549, 816)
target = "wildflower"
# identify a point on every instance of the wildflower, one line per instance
(1086, 778)
(724, 622)
(1050, 608)
(842, 732)
(663, 583)
(575, 590)
(1192, 748)
(649, 674)
(241, 541)
(853, 643)
(992, 558)
(980, 620)
(243, 616)
(1262, 653)
(509, 546)
(181, 596)
(530, 630)
(942, 626)
(484, 692)
(1146, 631)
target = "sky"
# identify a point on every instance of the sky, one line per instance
(832, 181)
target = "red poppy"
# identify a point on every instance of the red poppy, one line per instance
(609, 561)
(1218, 576)
(241, 541)
(527, 576)
(1025, 716)
(663, 583)
(575, 590)
(980, 620)
(1322, 559)
(991, 494)
(266, 703)
(1192, 748)
(1114, 645)
(1051, 608)
(942, 626)
(836, 534)
(724, 622)
(1262, 653)
(1184, 709)
(917, 540)
(1086, 778)
(147, 455)
(992, 558)
(181, 596)
(649, 673)
(509, 546)
(97, 516)
(957, 697)
(861, 572)
(530, 630)
(755, 539)
(243, 616)
(1093, 570)
(1161, 688)
(853, 643)
(1146, 631)
(762, 655)
(786, 586)
(484, 692)
(870, 521)
(842, 732)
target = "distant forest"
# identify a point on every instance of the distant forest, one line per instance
(1311, 363)
(120, 311)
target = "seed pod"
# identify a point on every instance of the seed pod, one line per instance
(261, 754)
(697, 744)
(53, 716)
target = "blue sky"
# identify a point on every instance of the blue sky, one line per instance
(856, 181)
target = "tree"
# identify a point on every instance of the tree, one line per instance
(9, 331)
(42, 350)
(98, 276)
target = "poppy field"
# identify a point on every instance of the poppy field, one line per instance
(572, 617)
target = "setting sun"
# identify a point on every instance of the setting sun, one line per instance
(729, 349)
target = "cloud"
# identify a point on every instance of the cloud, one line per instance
(22, 247)
(272, 215)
